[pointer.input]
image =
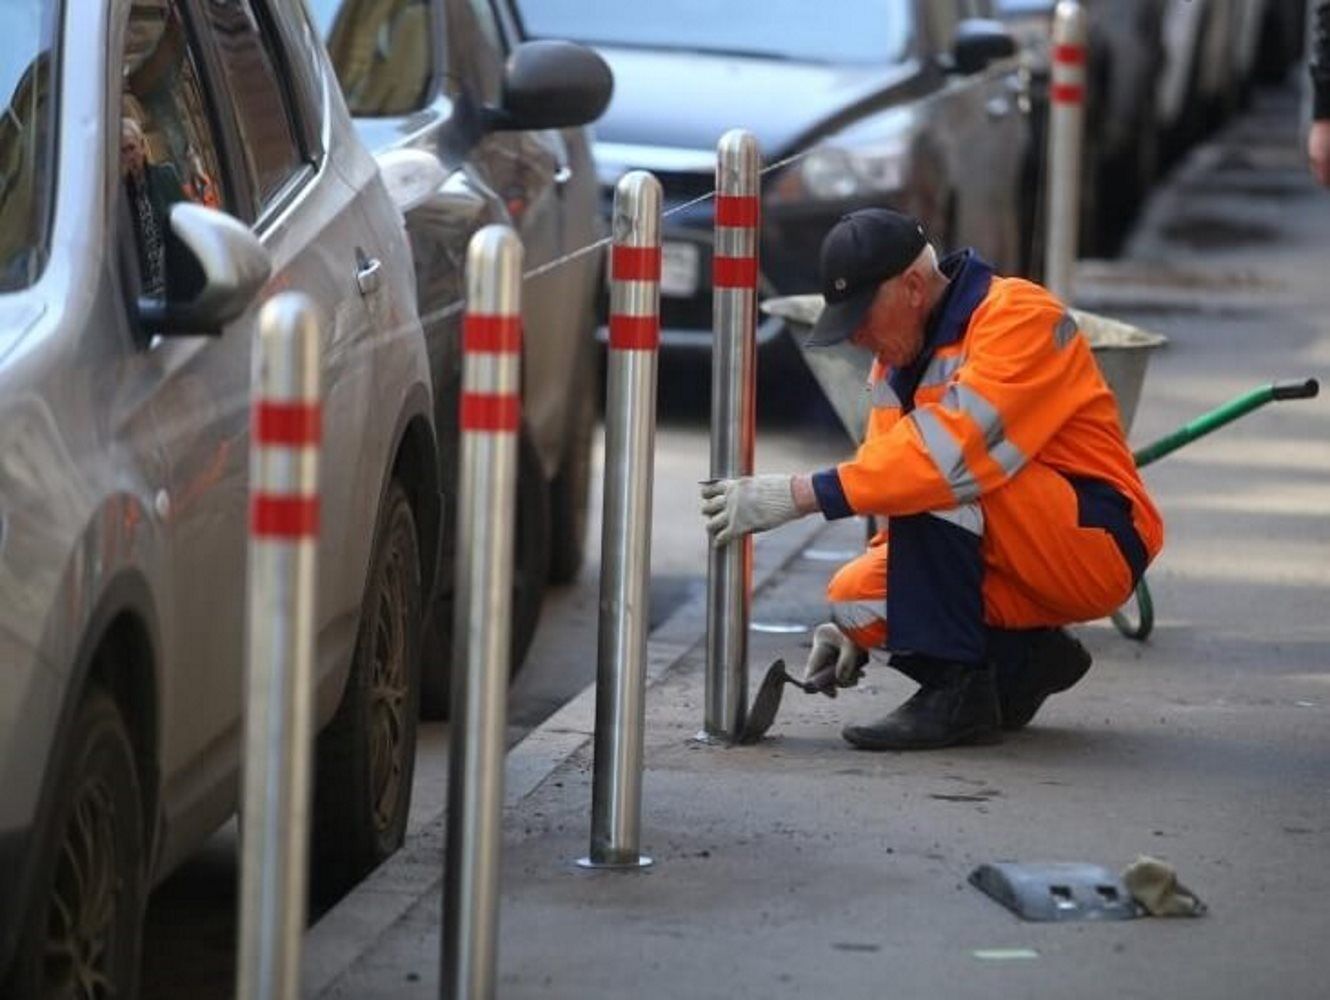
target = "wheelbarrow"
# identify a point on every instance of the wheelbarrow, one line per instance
(1120, 349)
(1122, 352)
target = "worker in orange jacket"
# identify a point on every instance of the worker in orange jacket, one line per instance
(995, 451)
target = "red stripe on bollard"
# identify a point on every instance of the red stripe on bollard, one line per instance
(491, 411)
(284, 517)
(291, 424)
(734, 272)
(1069, 55)
(1067, 93)
(736, 210)
(634, 333)
(489, 334)
(635, 263)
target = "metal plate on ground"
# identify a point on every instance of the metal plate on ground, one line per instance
(1056, 890)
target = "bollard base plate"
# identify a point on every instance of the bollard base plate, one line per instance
(642, 861)
(712, 739)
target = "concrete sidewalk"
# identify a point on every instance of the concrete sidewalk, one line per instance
(799, 867)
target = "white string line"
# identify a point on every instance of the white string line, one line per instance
(453, 308)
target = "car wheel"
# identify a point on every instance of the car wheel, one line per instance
(569, 492)
(82, 935)
(531, 560)
(366, 755)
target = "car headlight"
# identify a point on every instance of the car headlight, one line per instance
(843, 173)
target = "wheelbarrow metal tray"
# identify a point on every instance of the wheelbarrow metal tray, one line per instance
(1121, 350)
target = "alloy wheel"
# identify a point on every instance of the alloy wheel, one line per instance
(82, 913)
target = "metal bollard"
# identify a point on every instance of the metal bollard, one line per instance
(733, 420)
(1066, 125)
(625, 568)
(490, 418)
(279, 699)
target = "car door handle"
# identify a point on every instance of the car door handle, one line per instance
(369, 275)
(998, 107)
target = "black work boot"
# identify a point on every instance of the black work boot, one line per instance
(1033, 664)
(955, 703)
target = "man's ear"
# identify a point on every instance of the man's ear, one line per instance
(914, 289)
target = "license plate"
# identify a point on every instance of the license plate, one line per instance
(678, 269)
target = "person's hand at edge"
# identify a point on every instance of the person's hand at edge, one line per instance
(1318, 150)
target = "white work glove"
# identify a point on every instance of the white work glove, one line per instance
(737, 507)
(834, 657)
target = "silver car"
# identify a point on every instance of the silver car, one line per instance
(165, 167)
(433, 76)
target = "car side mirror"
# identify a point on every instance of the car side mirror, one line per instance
(215, 268)
(412, 176)
(552, 84)
(979, 43)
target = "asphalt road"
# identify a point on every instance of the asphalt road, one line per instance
(191, 923)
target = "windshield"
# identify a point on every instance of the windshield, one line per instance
(27, 137)
(778, 29)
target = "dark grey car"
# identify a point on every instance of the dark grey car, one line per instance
(165, 167)
(432, 75)
(1121, 145)
(909, 103)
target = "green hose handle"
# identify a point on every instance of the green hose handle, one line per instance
(1226, 414)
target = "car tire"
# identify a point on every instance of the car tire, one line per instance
(570, 490)
(531, 560)
(366, 755)
(84, 929)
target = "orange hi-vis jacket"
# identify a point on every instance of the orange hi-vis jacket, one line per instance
(1004, 383)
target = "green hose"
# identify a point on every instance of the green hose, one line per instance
(1140, 625)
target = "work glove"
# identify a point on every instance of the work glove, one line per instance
(834, 660)
(737, 507)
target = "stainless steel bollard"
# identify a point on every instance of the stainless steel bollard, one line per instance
(279, 698)
(733, 419)
(490, 420)
(1066, 126)
(625, 568)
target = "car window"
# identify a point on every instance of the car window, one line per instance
(478, 50)
(27, 137)
(777, 29)
(248, 56)
(381, 52)
(168, 148)
(487, 22)
(942, 22)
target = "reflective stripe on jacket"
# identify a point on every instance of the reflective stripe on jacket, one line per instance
(1004, 377)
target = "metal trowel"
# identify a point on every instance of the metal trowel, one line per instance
(767, 702)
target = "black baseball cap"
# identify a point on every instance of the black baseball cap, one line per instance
(863, 249)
